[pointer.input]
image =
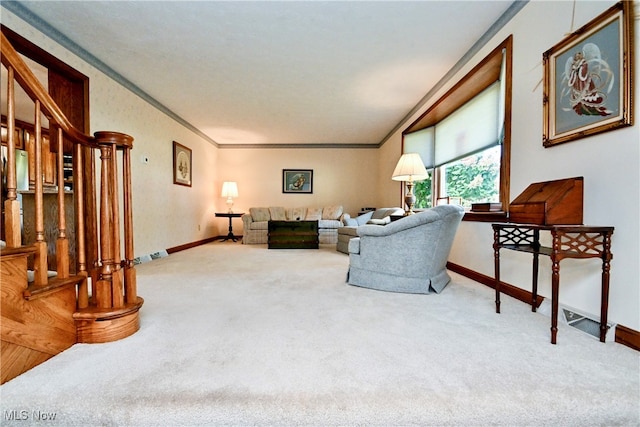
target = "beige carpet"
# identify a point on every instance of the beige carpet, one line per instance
(242, 335)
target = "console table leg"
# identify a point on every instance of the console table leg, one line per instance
(555, 285)
(534, 288)
(497, 274)
(604, 299)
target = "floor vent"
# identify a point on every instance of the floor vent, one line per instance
(587, 323)
(159, 254)
(150, 257)
(141, 259)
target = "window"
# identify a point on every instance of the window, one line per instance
(464, 139)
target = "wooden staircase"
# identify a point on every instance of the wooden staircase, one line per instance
(94, 299)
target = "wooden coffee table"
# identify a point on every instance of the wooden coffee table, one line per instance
(293, 235)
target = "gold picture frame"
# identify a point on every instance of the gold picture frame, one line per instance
(588, 78)
(182, 163)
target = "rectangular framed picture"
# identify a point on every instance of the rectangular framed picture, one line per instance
(181, 164)
(297, 181)
(587, 79)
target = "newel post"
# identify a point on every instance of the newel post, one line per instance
(112, 281)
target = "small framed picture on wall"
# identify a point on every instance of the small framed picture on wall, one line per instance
(182, 172)
(297, 181)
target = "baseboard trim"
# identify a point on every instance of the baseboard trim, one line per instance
(628, 337)
(506, 288)
(625, 336)
(192, 244)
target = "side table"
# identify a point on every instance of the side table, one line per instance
(568, 241)
(229, 215)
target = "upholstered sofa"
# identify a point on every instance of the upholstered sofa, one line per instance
(256, 222)
(380, 216)
(408, 255)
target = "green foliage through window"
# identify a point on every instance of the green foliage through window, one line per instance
(422, 191)
(475, 179)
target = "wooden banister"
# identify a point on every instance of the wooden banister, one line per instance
(32, 86)
(110, 311)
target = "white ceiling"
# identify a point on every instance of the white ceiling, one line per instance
(338, 73)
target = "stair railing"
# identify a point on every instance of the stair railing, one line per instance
(113, 279)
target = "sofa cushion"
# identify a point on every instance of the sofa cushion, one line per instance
(277, 213)
(296, 214)
(260, 214)
(314, 214)
(331, 212)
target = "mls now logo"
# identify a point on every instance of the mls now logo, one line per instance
(24, 415)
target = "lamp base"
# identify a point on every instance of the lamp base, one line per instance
(409, 199)
(230, 204)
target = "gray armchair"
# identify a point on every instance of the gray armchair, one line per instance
(408, 255)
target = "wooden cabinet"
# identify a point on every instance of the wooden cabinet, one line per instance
(4, 134)
(25, 139)
(49, 160)
(549, 203)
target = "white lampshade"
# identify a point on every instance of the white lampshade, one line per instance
(229, 189)
(410, 168)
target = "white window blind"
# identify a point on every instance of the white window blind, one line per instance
(471, 128)
(421, 142)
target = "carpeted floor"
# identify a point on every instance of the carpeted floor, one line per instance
(244, 336)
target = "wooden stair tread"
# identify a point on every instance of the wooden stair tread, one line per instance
(20, 250)
(53, 284)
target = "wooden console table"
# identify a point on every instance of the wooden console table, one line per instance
(568, 241)
(293, 235)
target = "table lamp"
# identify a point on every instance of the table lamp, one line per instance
(230, 191)
(409, 169)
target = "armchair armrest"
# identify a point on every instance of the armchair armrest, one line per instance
(246, 221)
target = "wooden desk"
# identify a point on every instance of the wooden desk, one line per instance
(568, 241)
(229, 215)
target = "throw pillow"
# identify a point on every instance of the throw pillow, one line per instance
(259, 214)
(296, 214)
(332, 212)
(314, 214)
(277, 213)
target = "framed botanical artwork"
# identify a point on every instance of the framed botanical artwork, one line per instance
(181, 164)
(297, 181)
(588, 78)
